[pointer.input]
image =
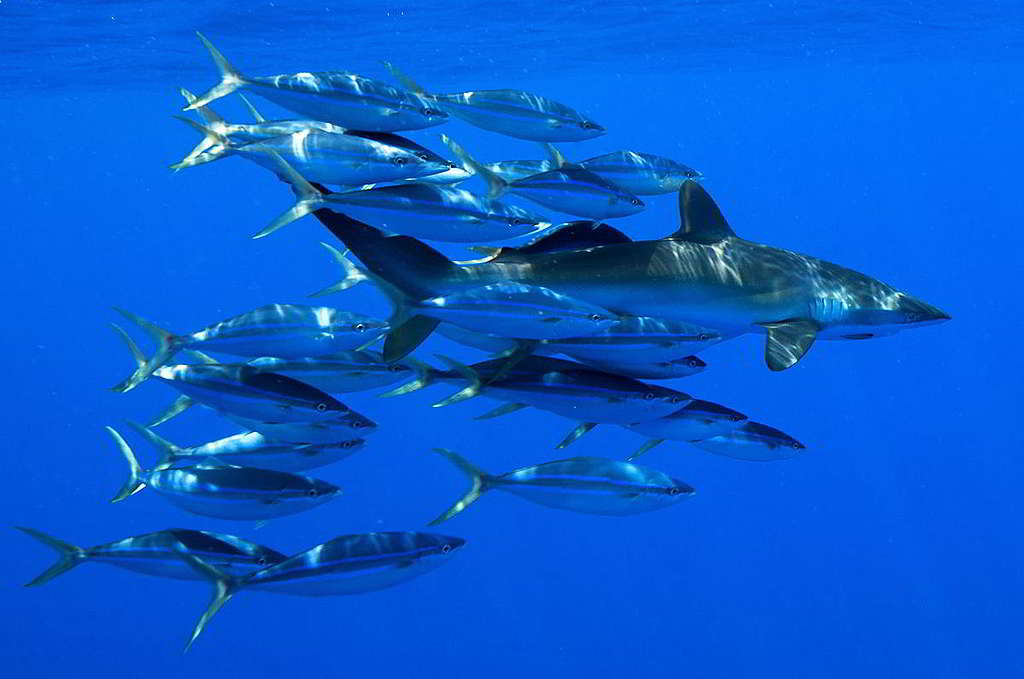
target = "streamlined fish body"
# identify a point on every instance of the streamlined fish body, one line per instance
(589, 485)
(253, 449)
(159, 554)
(753, 441)
(346, 99)
(343, 372)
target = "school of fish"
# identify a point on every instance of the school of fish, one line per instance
(577, 321)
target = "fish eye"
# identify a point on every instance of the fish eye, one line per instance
(736, 418)
(427, 111)
(637, 202)
(649, 396)
(692, 362)
(446, 548)
(587, 125)
(596, 317)
(795, 445)
(396, 368)
(311, 492)
(676, 399)
(359, 327)
(347, 444)
(513, 221)
(262, 561)
(358, 424)
(321, 407)
(673, 491)
(399, 160)
(704, 337)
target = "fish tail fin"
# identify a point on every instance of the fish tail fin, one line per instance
(169, 452)
(167, 343)
(557, 159)
(469, 391)
(203, 359)
(407, 82)
(424, 378)
(308, 197)
(134, 483)
(257, 116)
(230, 78)
(207, 113)
(178, 406)
(479, 480)
(645, 448)
(351, 274)
(224, 587)
(213, 146)
(496, 186)
(68, 556)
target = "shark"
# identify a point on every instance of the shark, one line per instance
(701, 273)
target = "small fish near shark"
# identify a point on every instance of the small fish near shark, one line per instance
(702, 273)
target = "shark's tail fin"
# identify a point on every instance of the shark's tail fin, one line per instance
(224, 587)
(134, 483)
(351, 274)
(230, 78)
(407, 82)
(213, 146)
(480, 482)
(496, 186)
(167, 345)
(68, 556)
(169, 453)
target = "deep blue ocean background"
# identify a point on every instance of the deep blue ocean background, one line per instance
(884, 136)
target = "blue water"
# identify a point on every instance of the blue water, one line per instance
(882, 136)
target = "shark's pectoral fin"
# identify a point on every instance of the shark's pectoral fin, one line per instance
(407, 336)
(787, 342)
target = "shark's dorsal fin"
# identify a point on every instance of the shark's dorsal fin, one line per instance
(787, 342)
(700, 220)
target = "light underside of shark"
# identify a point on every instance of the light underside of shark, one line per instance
(702, 273)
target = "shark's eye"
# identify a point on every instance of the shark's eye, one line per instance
(399, 160)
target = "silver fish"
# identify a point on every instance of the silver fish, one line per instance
(591, 485)
(349, 100)
(753, 441)
(696, 421)
(252, 449)
(432, 212)
(224, 491)
(334, 430)
(514, 113)
(642, 174)
(326, 157)
(686, 366)
(343, 372)
(350, 564)
(570, 189)
(281, 330)
(159, 554)
(516, 310)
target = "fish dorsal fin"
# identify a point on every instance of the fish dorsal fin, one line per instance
(700, 220)
(787, 342)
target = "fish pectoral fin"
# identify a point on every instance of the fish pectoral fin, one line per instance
(787, 342)
(576, 433)
(503, 409)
